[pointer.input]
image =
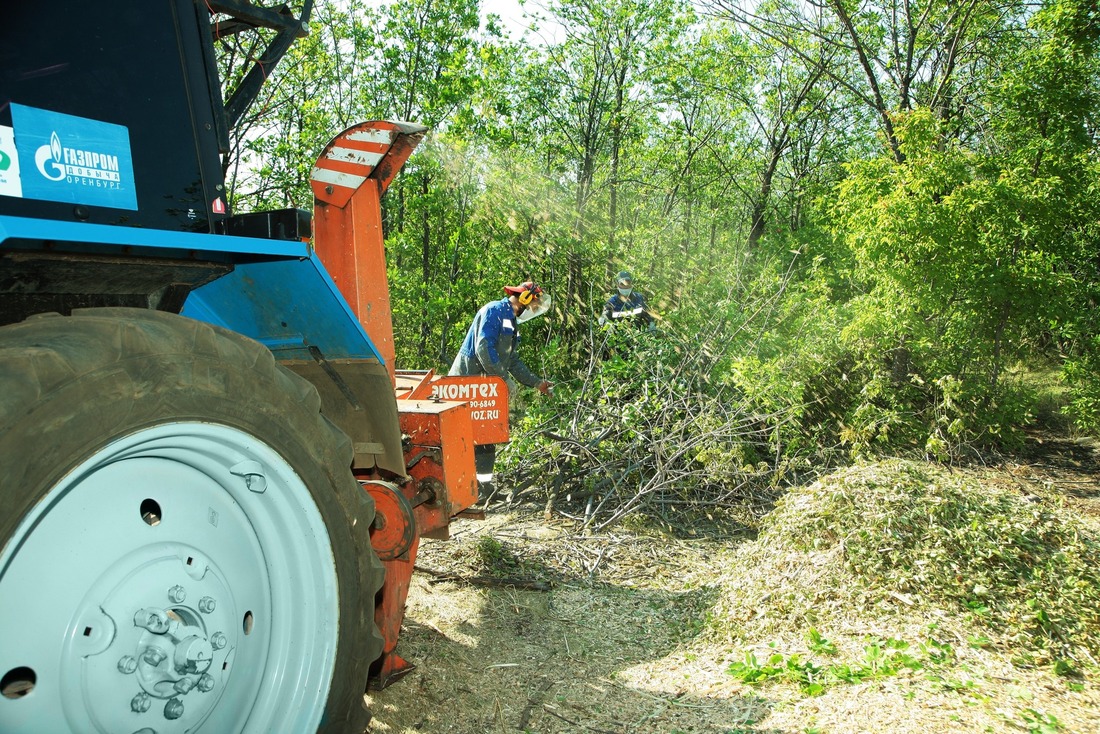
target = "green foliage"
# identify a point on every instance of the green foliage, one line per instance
(953, 265)
(952, 253)
(303, 104)
(789, 362)
(1082, 373)
(819, 644)
(881, 659)
(853, 294)
(490, 551)
(1037, 722)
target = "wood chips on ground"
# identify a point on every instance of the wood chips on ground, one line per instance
(618, 643)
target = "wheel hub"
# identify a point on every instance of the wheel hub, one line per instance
(180, 564)
(173, 657)
(167, 664)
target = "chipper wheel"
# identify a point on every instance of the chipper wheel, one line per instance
(183, 547)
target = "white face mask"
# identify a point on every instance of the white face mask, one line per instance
(625, 292)
(537, 308)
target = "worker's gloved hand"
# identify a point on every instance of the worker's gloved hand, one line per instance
(545, 387)
(602, 320)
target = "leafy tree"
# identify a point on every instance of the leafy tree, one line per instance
(425, 72)
(303, 104)
(859, 220)
(970, 258)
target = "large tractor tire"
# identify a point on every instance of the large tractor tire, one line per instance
(183, 547)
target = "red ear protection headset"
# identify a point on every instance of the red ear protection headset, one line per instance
(529, 295)
(524, 293)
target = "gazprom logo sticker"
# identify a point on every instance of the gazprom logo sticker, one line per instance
(48, 159)
(76, 160)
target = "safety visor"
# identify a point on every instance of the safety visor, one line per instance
(537, 307)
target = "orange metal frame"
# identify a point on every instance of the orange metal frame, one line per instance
(348, 181)
(486, 396)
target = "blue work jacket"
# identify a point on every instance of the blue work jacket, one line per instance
(623, 307)
(491, 344)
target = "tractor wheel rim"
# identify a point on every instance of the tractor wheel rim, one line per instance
(180, 579)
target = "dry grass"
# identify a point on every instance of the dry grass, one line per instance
(638, 631)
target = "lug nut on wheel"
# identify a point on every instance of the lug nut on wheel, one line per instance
(140, 703)
(207, 604)
(177, 594)
(154, 656)
(127, 665)
(154, 620)
(173, 709)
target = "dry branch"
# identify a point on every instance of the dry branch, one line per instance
(439, 577)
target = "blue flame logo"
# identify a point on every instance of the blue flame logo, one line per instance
(48, 159)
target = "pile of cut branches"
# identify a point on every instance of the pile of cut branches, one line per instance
(645, 430)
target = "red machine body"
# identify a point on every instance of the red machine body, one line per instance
(441, 418)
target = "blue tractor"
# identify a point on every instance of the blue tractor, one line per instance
(198, 416)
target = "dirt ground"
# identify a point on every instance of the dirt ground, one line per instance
(609, 635)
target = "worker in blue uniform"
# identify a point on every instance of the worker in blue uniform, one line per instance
(627, 304)
(491, 348)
